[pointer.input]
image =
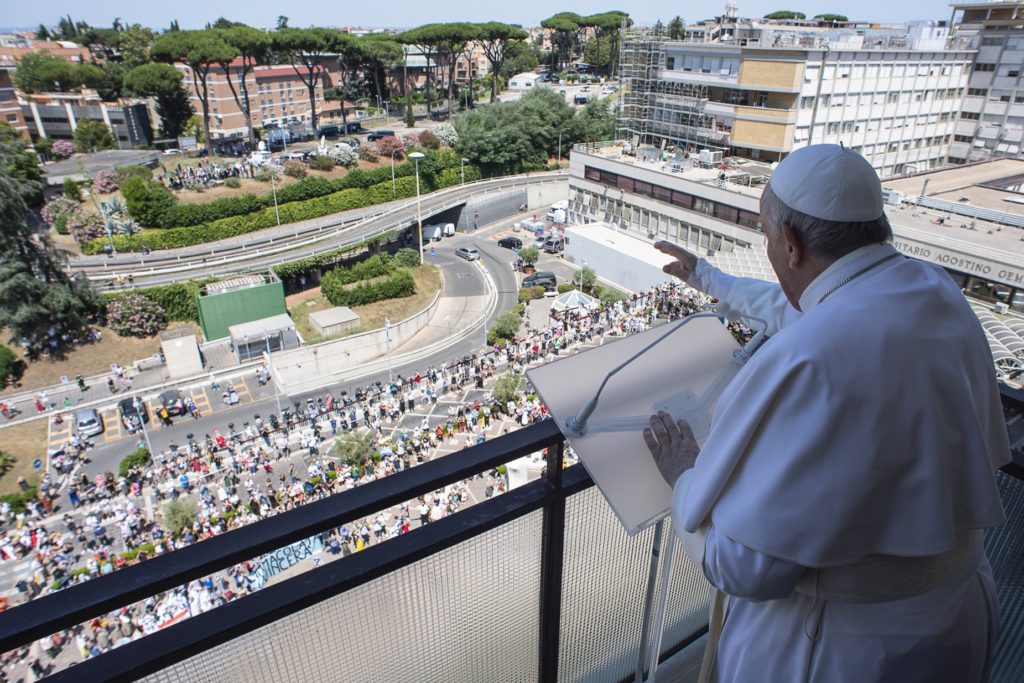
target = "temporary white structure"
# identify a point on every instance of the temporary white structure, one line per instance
(574, 298)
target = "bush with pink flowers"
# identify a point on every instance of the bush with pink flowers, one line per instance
(85, 226)
(58, 211)
(390, 145)
(105, 181)
(135, 315)
(63, 149)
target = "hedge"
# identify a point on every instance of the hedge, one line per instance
(18, 501)
(304, 266)
(345, 200)
(375, 266)
(138, 458)
(177, 299)
(157, 207)
(397, 285)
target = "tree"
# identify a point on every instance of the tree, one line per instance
(38, 300)
(507, 388)
(382, 55)
(43, 72)
(834, 18)
(42, 33)
(415, 38)
(496, 40)
(521, 58)
(91, 134)
(307, 49)
(200, 51)
(564, 28)
(282, 21)
(785, 14)
(676, 28)
(446, 42)
(529, 255)
(354, 448)
(253, 47)
(162, 82)
(135, 43)
(179, 515)
(18, 162)
(607, 24)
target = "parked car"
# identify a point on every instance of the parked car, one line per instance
(379, 135)
(468, 253)
(131, 411)
(554, 244)
(513, 243)
(295, 155)
(581, 98)
(330, 131)
(585, 88)
(88, 422)
(543, 278)
(173, 401)
(172, 152)
(539, 242)
(353, 127)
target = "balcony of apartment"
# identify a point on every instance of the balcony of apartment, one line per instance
(538, 584)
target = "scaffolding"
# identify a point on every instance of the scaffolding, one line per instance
(656, 111)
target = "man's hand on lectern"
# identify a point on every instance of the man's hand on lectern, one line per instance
(685, 262)
(672, 444)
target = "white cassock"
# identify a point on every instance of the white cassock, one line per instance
(840, 497)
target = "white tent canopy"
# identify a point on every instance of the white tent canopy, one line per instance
(574, 298)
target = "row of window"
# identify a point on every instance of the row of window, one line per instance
(1012, 43)
(723, 66)
(1006, 96)
(876, 98)
(1010, 70)
(872, 71)
(684, 200)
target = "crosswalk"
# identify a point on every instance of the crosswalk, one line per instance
(204, 397)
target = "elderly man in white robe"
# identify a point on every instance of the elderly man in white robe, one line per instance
(839, 501)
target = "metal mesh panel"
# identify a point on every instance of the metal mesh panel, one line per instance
(604, 580)
(1005, 548)
(468, 613)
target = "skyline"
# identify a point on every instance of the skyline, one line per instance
(405, 14)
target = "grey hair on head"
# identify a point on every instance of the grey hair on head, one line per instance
(824, 238)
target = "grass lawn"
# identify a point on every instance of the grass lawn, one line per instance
(371, 316)
(26, 442)
(90, 359)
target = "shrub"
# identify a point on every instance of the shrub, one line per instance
(507, 388)
(134, 315)
(343, 155)
(63, 149)
(72, 191)
(91, 134)
(179, 514)
(9, 366)
(85, 226)
(447, 134)
(319, 163)
(138, 458)
(610, 295)
(233, 183)
(147, 200)
(397, 285)
(294, 169)
(388, 145)
(566, 287)
(429, 141)
(19, 500)
(125, 172)
(57, 211)
(263, 175)
(506, 326)
(105, 181)
(407, 258)
(178, 299)
(367, 154)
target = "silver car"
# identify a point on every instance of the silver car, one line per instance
(88, 422)
(468, 253)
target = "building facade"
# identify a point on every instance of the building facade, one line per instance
(893, 96)
(10, 110)
(56, 116)
(992, 121)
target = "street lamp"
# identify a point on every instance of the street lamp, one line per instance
(387, 345)
(559, 148)
(462, 169)
(394, 188)
(416, 156)
(273, 186)
(142, 421)
(583, 264)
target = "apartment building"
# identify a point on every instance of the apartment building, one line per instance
(10, 110)
(14, 46)
(56, 116)
(891, 94)
(992, 121)
(277, 95)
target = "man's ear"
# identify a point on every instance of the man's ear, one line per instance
(795, 250)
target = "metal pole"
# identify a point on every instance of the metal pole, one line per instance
(270, 366)
(462, 170)
(273, 185)
(394, 188)
(387, 345)
(559, 148)
(142, 422)
(419, 218)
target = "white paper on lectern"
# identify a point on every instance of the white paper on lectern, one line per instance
(684, 375)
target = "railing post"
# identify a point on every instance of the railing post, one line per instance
(552, 556)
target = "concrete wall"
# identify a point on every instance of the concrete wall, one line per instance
(543, 196)
(491, 207)
(310, 367)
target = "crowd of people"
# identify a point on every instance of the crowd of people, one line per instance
(205, 174)
(266, 467)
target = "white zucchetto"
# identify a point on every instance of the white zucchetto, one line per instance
(829, 182)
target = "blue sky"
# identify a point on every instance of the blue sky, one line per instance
(405, 13)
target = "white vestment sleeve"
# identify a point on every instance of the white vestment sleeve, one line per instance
(731, 567)
(741, 296)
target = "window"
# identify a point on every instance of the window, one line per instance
(11, 118)
(726, 213)
(992, 40)
(977, 92)
(969, 115)
(670, 63)
(833, 128)
(704, 206)
(806, 102)
(894, 97)
(749, 219)
(662, 194)
(682, 199)
(642, 188)
(984, 67)
(609, 178)
(591, 173)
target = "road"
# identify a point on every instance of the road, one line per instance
(462, 279)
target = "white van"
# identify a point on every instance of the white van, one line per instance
(449, 229)
(432, 233)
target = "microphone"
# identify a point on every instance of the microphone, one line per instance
(576, 426)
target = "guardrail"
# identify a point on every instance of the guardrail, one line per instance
(967, 210)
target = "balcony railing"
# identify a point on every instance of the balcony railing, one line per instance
(539, 583)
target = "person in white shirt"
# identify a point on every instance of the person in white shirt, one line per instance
(840, 498)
